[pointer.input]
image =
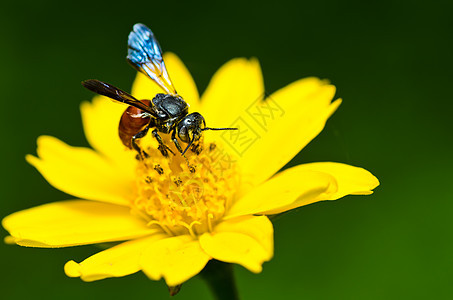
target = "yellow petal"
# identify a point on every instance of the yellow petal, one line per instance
(81, 172)
(72, 223)
(145, 88)
(247, 241)
(302, 185)
(9, 240)
(283, 190)
(176, 259)
(118, 261)
(101, 118)
(280, 127)
(234, 87)
(349, 180)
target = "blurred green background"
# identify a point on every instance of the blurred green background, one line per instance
(392, 64)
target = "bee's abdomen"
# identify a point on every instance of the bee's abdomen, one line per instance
(131, 123)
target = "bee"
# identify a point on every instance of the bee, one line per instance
(166, 113)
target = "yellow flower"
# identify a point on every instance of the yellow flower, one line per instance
(173, 221)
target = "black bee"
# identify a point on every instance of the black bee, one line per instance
(165, 113)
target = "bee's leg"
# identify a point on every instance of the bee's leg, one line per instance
(175, 141)
(141, 153)
(162, 147)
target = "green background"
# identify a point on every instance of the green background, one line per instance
(392, 64)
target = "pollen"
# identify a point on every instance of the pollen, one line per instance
(185, 196)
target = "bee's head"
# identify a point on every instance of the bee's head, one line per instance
(190, 127)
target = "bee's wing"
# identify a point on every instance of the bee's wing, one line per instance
(145, 55)
(116, 94)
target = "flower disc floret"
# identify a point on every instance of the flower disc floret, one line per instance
(184, 197)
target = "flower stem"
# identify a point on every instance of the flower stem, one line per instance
(220, 279)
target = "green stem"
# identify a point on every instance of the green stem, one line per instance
(220, 279)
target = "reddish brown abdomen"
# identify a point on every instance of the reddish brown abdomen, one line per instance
(131, 123)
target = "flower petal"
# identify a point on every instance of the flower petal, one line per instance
(176, 259)
(283, 190)
(302, 185)
(349, 180)
(101, 118)
(81, 172)
(72, 223)
(145, 88)
(118, 261)
(234, 87)
(247, 241)
(285, 123)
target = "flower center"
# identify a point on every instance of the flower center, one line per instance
(185, 196)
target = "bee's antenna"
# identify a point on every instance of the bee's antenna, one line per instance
(209, 128)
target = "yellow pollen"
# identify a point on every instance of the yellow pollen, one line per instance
(185, 197)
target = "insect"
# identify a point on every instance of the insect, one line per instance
(166, 113)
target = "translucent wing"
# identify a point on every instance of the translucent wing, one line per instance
(115, 93)
(145, 55)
